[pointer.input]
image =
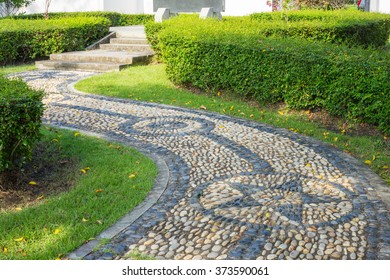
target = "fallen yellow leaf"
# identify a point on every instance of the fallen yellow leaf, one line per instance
(132, 176)
(251, 115)
(368, 162)
(85, 170)
(99, 190)
(76, 134)
(219, 94)
(33, 183)
(221, 126)
(18, 209)
(268, 215)
(385, 167)
(57, 231)
(5, 250)
(99, 222)
(280, 113)
(85, 220)
(54, 140)
(308, 164)
(231, 108)
(19, 239)
(203, 107)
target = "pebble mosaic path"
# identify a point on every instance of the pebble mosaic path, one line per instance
(234, 189)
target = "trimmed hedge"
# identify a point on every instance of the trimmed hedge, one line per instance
(324, 15)
(116, 19)
(29, 39)
(340, 26)
(211, 55)
(21, 110)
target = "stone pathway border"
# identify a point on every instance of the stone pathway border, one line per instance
(229, 188)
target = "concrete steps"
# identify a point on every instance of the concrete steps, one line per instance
(128, 41)
(129, 47)
(126, 47)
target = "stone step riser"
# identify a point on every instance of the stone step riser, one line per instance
(65, 65)
(126, 47)
(124, 34)
(91, 58)
(129, 41)
(90, 66)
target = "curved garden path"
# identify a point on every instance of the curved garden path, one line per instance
(228, 188)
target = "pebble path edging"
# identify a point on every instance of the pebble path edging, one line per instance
(236, 189)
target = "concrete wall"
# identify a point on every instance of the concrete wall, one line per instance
(381, 6)
(246, 7)
(124, 6)
(38, 6)
(186, 6)
(148, 6)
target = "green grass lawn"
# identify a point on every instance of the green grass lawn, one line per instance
(150, 83)
(109, 181)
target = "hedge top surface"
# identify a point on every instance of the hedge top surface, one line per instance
(309, 15)
(10, 89)
(9, 25)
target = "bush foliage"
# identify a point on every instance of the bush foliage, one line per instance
(213, 55)
(116, 19)
(29, 39)
(21, 110)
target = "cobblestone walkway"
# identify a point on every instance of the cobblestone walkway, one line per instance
(234, 189)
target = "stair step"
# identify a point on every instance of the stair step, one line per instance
(136, 31)
(80, 66)
(103, 56)
(129, 41)
(127, 47)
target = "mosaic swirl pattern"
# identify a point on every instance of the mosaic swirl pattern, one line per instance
(236, 189)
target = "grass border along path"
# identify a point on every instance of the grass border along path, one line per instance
(150, 83)
(112, 179)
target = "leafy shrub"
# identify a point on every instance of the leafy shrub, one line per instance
(21, 110)
(152, 30)
(351, 27)
(29, 39)
(116, 19)
(309, 15)
(211, 55)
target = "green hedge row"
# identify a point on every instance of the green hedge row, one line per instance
(324, 15)
(29, 39)
(116, 19)
(340, 26)
(20, 119)
(349, 82)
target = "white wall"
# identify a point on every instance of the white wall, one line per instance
(384, 6)
(148, 6)
(124, 6)
(38, 6)
(246, 7)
